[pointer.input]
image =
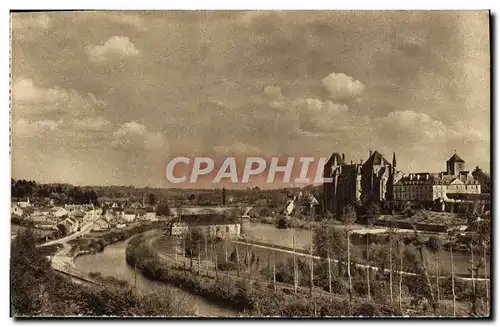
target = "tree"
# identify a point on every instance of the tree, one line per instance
(151, 199)
(195, 243)
(29, 269)
(483, 178)
(162, 209)
(349, 217)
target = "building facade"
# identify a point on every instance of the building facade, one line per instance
(353, 183)
(433, 188)
(211, 225)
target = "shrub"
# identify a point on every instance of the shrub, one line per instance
(366, 309)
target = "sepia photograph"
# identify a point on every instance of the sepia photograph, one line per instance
(183, 164)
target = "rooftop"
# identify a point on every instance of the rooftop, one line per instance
(376, 159)
(455, 158)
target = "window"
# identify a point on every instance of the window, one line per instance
(227, 229)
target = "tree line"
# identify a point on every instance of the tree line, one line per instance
(61, 193)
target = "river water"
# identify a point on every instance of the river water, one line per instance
(111, 262)
(269, 234)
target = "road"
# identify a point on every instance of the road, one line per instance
(90, 217)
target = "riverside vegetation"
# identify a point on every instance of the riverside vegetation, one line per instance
(37, 290)
(428, 292)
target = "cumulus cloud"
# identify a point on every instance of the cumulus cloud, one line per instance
(29, 99)
(342, 87)
(272, 92)
(410, 126)
(319, 116)
(91, 124)
(133, 135)
(115, 47)
(415, 132)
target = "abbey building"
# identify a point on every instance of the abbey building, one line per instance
(378, 180)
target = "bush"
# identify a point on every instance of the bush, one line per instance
(283, 223)
(366, 309)
(226, 266)
(433, 244)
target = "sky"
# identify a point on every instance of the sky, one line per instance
(109, 98)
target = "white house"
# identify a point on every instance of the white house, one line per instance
(71, 225)
(212, 225)
(129, 217)
(24, 204)
(61, 212)
(15, 210)
(100, 225)
(151, 216)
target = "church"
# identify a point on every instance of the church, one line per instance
(378, 180)
(372, 180)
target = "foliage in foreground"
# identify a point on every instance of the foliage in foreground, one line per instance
(36, 290)
(255, 299)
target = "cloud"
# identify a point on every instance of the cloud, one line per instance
(91, 124)
(412, 132)
(29, 99)
(258, 64)
(236, 150)
(27, 129)
(342, 87)
(30, 21)
(115, 47)
(272, 92)
(133, 135)
(317, 116)
(126, 19)
(410, 127)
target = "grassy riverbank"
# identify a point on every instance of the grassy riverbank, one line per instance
(254, 299)
(97, 242)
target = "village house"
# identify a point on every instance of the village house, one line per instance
(70, 225)
(211, 225)
(100, 224)
(129, 216)
(60, 212)
(16, 210)
(24, 204)
(150, 216)
(77, 214)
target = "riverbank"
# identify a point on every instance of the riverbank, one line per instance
(37, 290)
(254, 298)
(269, 234)
(89, 244)
(111, 263)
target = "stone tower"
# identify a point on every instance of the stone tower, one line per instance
(455, 165)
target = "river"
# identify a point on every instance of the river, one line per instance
(269, 234)
(111, 262)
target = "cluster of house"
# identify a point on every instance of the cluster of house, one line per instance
(50, 217)
(118, 215)
(71, 217)
(303, 200)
